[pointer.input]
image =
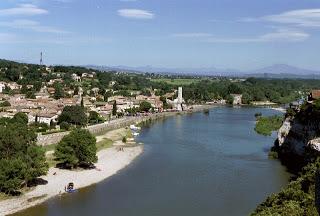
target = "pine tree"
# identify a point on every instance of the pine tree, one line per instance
(114, 108)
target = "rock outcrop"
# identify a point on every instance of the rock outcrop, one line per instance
(297, 136)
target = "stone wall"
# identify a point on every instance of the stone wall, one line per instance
(49, 139)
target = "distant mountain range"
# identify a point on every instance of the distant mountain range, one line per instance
(274, 71)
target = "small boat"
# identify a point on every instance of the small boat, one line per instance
(70, 188)
(135, 134)
(134, 128)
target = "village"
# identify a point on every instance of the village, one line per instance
(44, 107)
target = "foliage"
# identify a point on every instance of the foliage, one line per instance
(65, 126)
(77, 148)
(114, 108)
(73, 115)
(5, 104)
(59, 92)
(145, 106)
(40, 127)
(20, 118)
(229, 99)
(298, 198)
(21, 160)
(94, 117)
(265, 125)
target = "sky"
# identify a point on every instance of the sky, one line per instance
(241, 34)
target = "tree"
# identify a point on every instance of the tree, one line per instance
(94, 117)
(12, 174)
(107, 95)
(114, 108)
(36, 163)
(229, 99)
(12, 74)
(145, 106)
(5, 104)
(82, 103)
(21, 160)
(76, 149)
(73, 115)
(20, 118)
(59, 92)
(246, 98)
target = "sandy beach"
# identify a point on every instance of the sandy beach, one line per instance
(280, 109)
(110, 161)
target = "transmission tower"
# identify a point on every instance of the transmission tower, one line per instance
(41, 61)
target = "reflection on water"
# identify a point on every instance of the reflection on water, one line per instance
(192, 165)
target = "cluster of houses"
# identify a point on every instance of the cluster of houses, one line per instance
(45, 109)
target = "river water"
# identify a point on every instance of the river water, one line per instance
(193, 164)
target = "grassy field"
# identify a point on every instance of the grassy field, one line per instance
(103, 144)
(177, 81)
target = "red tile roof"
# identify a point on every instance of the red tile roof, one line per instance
(315, 94)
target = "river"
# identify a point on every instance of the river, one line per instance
(194, 164)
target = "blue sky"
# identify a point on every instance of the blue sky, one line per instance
(242, 34)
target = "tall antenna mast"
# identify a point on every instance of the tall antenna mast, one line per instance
(41, 62)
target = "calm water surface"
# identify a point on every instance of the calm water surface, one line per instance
(193, 164)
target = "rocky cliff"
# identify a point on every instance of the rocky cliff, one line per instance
(299, 136)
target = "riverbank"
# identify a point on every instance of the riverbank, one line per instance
(110, 161)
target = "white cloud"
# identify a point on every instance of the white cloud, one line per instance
(306, 17)
(31, 25)
(284, 35)
(23, 9)
(135, 14)
(191, 35)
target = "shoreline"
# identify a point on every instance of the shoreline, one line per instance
(110, 162)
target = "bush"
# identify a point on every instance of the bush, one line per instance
(265, 125)
(298, 198)
(145, 106)
(20, 118)
(5, 104)
(65, 126)
(94, 117)
(124, 139)
(40, 127)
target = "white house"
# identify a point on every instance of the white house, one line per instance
(2, 87)
(43, 118)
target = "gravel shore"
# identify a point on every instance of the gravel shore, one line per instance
(110, 161)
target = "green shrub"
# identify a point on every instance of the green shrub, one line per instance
(65, 126)
(265, 125)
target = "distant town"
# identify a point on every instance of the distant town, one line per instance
(42, 92)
